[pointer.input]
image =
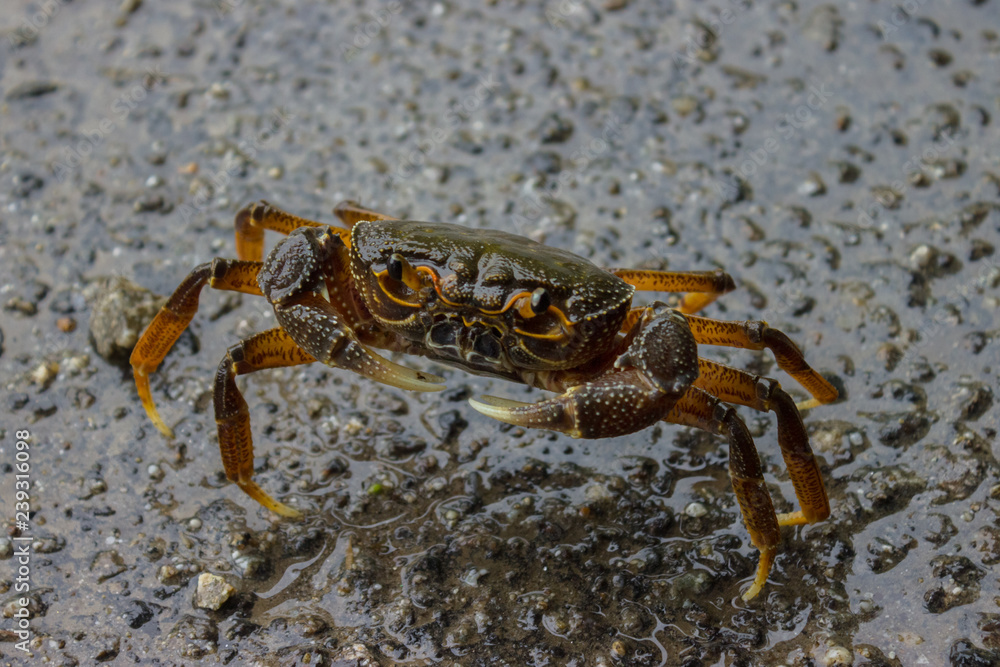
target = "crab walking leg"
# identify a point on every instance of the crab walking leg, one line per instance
(316, 327)
(699, 409)
(756, 335)
(253, 219)
(764, 394)
(351, 213)
(703, 287)
(176, 314)
(269, 349)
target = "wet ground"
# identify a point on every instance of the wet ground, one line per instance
(840, 161)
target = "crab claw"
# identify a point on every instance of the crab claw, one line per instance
(317, 328)
(557, 414)
(664, 349)
(656, 369)
(387, 372)
(619, 403)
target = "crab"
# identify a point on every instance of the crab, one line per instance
(500, 305)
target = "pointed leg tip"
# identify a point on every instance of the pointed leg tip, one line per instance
(251, 488)
(751, 593)
(763, 570)
(286, 511)
(792, 519)
(809, 404)
(161, 426)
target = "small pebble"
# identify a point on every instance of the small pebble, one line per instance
(685, 105)
(155, 472)
(838, 655)
(813, 186)
(910, 638)
(77, 363)
(922, 257)
(218, 91)
(353, 427)
(213, 591)
(696, 510)
(66, 324)
(598, 492)
(44, 374)
(250, 566)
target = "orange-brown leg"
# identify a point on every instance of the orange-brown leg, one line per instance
(176, 314)
(764, 394)
(253, 219)
(351, 212)
(273, 348)
(701, 287)
(699, 409)
(756, 335)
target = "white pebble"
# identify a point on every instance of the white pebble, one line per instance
(696, 510)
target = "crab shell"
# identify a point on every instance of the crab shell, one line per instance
(464, 306)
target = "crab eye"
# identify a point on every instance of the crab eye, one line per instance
(540, 301)
(394, 267)
(534, 304)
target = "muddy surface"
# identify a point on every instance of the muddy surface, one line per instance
(840, 162)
